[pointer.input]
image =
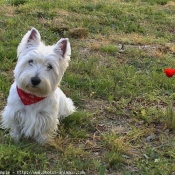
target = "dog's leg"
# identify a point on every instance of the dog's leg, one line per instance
(45, 127)
(15, 134)
(66, 106)
(12, 120)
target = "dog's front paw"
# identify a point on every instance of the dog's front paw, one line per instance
(15, 136)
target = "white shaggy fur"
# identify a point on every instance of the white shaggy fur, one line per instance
(49, 63)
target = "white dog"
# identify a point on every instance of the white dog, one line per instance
(35, 103)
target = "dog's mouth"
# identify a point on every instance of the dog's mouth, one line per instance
(34, 86)
(36, 90)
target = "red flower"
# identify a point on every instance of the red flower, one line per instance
(169, 72)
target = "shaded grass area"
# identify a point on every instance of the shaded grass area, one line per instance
(124, 123)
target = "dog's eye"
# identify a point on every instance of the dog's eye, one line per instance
(49, 66)
(30, 62)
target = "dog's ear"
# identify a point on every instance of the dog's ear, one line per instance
(62, 47)
(30, 41)
(34, 38)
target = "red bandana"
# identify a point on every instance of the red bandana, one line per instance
(27, 98)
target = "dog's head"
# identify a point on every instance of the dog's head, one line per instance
(40, 68)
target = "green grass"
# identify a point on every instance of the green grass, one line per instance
(125, 121)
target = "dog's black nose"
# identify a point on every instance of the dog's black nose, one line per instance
(35, 81)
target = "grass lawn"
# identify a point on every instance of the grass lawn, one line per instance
(125, 121)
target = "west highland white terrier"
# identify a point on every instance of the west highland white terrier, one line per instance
(35, 104)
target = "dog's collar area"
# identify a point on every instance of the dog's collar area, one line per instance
(27, 98)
